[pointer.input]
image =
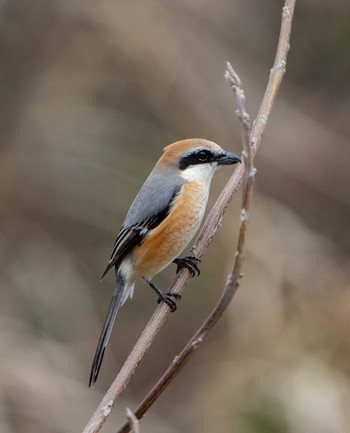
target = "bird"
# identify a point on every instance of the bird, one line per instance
(160, 223)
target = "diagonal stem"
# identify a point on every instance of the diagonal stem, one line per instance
(203, 240)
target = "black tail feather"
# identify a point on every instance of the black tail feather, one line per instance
(107, 329)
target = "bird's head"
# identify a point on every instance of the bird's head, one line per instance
(196, 158)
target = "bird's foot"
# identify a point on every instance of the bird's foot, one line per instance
(190, 263)
(165, 297)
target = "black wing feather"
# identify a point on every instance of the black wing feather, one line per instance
(126, 240)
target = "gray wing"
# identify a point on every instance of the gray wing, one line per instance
(150, 207)
(153, 197)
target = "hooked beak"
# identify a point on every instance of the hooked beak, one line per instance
(228, 158)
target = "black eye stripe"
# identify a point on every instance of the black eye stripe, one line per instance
(197, 157)
(203, 155)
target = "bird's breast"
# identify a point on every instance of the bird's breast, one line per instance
(166, 242)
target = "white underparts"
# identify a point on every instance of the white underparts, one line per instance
(126, 269)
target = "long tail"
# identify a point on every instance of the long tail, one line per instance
(107, 328)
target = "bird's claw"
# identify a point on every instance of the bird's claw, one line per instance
(190, 263)
(167, 298)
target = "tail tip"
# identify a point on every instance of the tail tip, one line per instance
(92, 379)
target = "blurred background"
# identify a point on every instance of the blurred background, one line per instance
(91, 93)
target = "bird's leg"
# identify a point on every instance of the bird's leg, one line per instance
(190, 263)
(165, 297)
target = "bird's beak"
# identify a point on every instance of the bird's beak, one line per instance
(228, 158)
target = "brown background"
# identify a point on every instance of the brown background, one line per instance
(90, 94)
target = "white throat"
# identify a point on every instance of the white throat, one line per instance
(201, 173)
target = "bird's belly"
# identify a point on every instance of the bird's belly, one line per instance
(167, 241)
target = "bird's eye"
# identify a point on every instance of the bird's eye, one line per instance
(203, 155)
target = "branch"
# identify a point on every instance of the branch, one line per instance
(250, 147)
(233, 282)
(202, 242)
(133, 421)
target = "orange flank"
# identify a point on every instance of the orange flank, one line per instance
(164, 243)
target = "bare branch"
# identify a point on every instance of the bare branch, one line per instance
(133, 421)
(233, 281)
(204, 238)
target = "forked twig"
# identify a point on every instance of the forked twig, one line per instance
(133, 422)
(203, 240)
(233, 282)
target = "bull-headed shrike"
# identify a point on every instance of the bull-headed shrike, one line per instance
(161, 221)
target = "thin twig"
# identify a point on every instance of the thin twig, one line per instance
(250, 147)
(132, 421)
(233, 282)
(203, 240)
